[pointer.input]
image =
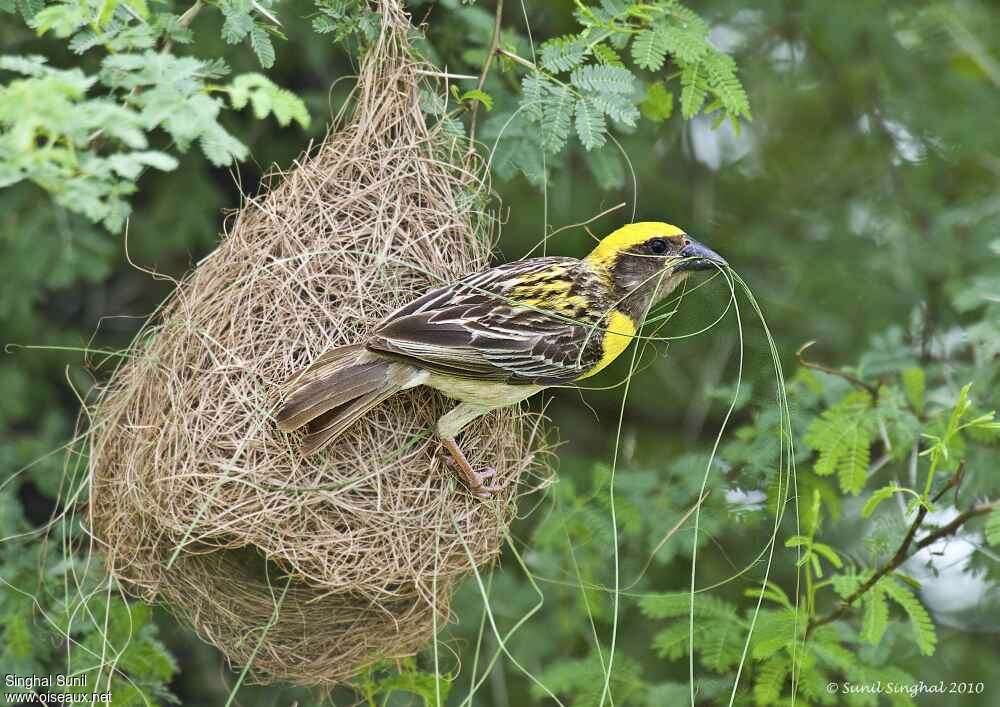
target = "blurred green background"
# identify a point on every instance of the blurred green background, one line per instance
(861, 205)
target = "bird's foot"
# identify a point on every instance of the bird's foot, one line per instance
(475, 479)
(481, 489)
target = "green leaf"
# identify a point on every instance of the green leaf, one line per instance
(770, 680)
(658, 104)
(534, 90)
(846, 584)
(772, 592)
(606, 55)
(674, 604)
(557, 112)
(720, 644)
(17, 634)
(693, 91)
(563, 53)
(920, 620)
(131, 164)
(843, 436)
(63, 19)
(993, 527)
(239, 22)
(261, 44)
(603, 79)
(672, 642)
(267, 98)
(688, 43)
(618, 108)
(574, 677)
(649, 49)
(914, 385)
(828, 552)
(720, 78)
(221, 148)
(590, 125)
(797, 541)
(479, 96)
(775, 631)
(882, 494)
(426, 685)
(875, 619)
(29, 65)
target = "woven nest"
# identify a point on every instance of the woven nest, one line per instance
(308, 569)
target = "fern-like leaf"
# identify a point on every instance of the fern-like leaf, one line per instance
(720, 644)
(920, 620)
(770, 680)
(534, 89)
(603, 79)
(693, 91)
(720, 75)
(557, 113)
(261, 44)
(993, 527)
(563, 53)
(687, 43)
(590, 125)
(672, 642)
(875, 619)
(842, 436)
(914, 383)
(658, 103)
(853, 468)
(617, 107)
(649, 49)
(607, 55)
(673, 604)
(775, 630)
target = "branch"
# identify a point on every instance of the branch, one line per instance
(185, 21)
(487, 63)
(517, 59)
(854, 380)
(907, 548)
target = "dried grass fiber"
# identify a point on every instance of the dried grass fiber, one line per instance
(198, 501)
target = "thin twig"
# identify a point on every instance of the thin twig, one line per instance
(517, 59)
(487, 63)
(854, 380)
(445, 75)
(185, 22)
(907, 548)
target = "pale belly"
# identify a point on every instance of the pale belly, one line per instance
(487, 393)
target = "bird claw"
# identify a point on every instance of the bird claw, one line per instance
(483, 490)
(474, 478)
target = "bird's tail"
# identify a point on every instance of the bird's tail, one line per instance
(333, 392)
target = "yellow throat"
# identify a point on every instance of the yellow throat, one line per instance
(616, 339)
(621, 328)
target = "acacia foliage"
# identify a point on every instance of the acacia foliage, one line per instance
(861, 210)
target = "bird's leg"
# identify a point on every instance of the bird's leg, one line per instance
(447, 428)
(473, 478)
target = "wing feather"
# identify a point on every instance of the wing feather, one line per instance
(522, 322)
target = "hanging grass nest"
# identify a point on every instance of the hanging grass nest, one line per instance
(308, 569)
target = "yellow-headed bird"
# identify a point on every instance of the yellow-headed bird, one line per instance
(497, 337)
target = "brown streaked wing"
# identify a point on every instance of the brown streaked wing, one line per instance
(476, 329)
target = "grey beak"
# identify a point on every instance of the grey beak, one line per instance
(699, 257)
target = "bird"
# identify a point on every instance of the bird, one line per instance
(497, 337)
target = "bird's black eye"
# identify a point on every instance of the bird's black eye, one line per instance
(658, 246)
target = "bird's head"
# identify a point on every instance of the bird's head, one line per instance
(649, 259)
